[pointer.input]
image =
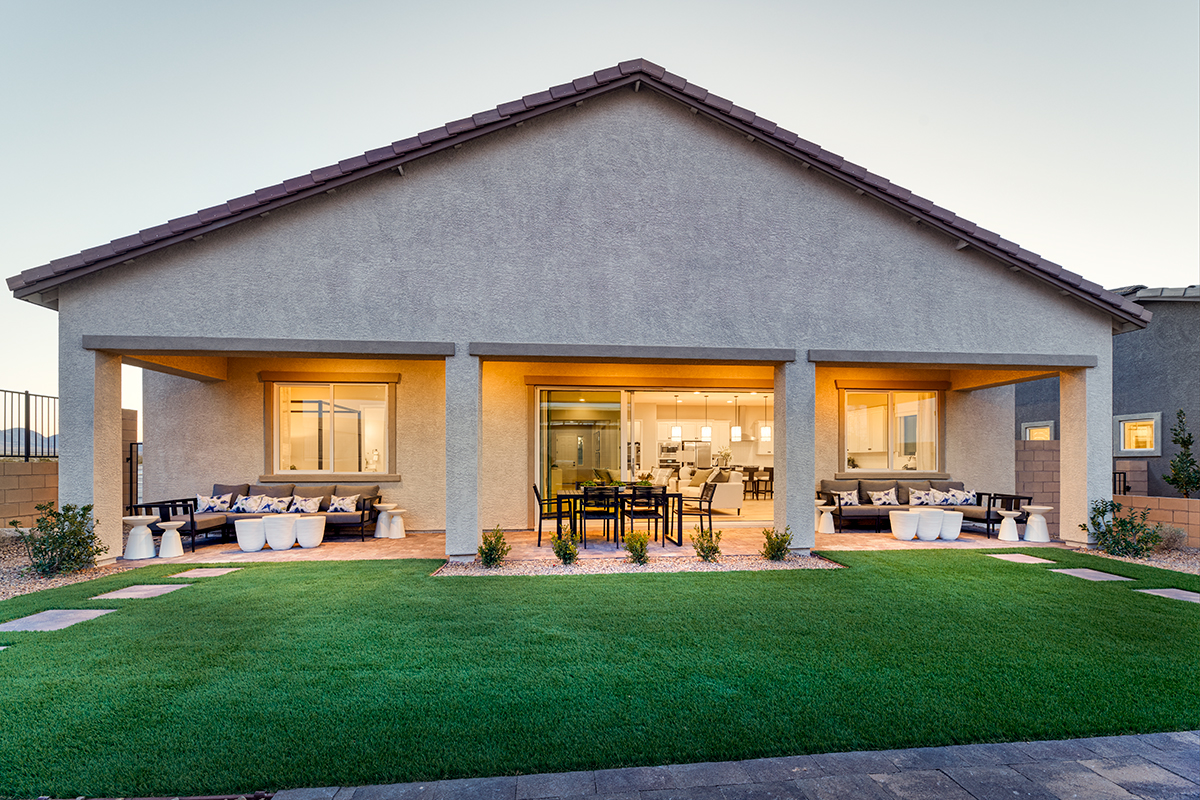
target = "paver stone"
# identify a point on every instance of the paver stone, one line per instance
(54, 620)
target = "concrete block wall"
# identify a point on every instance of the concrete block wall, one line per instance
(1038, 476)
(23, 486)
(1137, 474)
(1178, 511)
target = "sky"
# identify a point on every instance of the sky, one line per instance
(1071, 128)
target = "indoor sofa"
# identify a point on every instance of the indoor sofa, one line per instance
(729, 487)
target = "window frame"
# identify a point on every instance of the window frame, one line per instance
(272, 380)
(1026, 426)
(938, 388)
(1119, 420)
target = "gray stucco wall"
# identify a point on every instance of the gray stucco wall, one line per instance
(625, 221)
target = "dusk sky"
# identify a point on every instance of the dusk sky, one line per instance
(1071, 128)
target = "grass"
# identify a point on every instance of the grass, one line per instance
(352, 673)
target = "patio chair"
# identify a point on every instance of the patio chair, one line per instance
(545, 507)
(702, 505)
(648, 503)
(602, 503)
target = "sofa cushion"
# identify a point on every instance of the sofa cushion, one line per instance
(916, 497)
(274, 490)
(342, 518)
(343, 503)
(904, 487)
(361, 491)
(275, 505)
(848, 498)
(884, 498)
(204, 522)
(719, 476)
(305, 505)
(700, 477)
(217, 504)
(866, 487)
(323, 492)
(838, 486)
(945, 486)
(235, 489)
(862, 512)
(248, 504)
(964, 498)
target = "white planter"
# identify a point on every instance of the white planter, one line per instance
(250, 534)
(280, 530)
(930, 526)
(904, 524)
(310, 531)
(951, 524)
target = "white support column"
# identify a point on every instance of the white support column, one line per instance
(464, 427)
(90, 462)
(1085, 465)
(795, 451)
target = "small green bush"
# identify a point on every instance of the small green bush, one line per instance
(775, 546)
(1173, 538)
(1122, 536)
(565, 546)
(707, 543)
(494, 548)
(61, 541)
(637, 544)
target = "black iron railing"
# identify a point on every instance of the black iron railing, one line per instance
(28, 425)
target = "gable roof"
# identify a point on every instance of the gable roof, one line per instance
(1143, 293)
(37, 285)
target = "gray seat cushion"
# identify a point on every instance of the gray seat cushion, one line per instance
(945, 486)
(235, 489)
(866, 487)
(204, 522)
(904, 487)
(275, 490)
(363, 493)
(342, 518)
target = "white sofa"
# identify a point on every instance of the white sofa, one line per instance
(727, 495)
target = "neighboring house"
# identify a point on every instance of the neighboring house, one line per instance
(425, 316)
(1156, 372)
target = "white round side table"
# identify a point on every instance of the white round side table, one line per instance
(383, 521)
(930, 525)
(1008, 528)
(1035, 527)
(825, 520)
(396, 525)
(172, 545)
(904, 524)
(141, 542)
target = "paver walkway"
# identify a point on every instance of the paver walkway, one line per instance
(1156, 766)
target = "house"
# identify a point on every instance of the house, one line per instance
(452, 295)
(1155, 374)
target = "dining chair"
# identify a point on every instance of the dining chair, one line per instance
(648, 503)
(600, 503)
(545, 507)
(702, 505)
(762, 484)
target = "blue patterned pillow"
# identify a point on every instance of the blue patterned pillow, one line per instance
(249, 505)
(942, 498)
(887, 498)
(305, 505)
(963, 497)
(209, 505)
(918, 498)
(849, 498)
(275, 505)
(344, 503)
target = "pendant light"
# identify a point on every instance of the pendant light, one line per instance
(764, 432)
(735, 433)
(676, 430)
(706, 431)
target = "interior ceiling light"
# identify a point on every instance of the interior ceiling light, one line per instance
(764, 432)
(676, 430)
(735, 433)
(706, 431)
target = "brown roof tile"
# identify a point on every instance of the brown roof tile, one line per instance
(701, 94)
(585, 83)
(674, 81)
(379, 154)
(744, 114)
(486, 117)
(514, 107)
(563, 90)
(150, 235)
(434, 135)
(404, 146)
(270, 193)
(538, 99)
(127, 243)
(327, 173)
(607, 75)
(294, 185)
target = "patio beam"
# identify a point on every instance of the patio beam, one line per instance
(266, 348)
(524, 351)
(911, 358)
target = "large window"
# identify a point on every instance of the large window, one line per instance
(331, 427)
(1137, 435)
(891, 430)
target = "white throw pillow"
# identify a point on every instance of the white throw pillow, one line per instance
(942, 498)
(305, 505)
(275, 505)
(887, 498)
(250, 504)
(963, 497)
(918, 498)
(849, 498)
(344, 503)
(216, 504)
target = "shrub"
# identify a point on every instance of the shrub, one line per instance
(1185, 472)
(1173, 538)
(707, 543)
(775, 546)
(565, 546)
(61, 541)
(1122, 536)
(494, 548)
(637, 544)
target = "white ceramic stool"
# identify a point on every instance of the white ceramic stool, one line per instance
(280, 530)
(251, 535)
(141, 542)
(825, 521)
(172, 545)
(1035, 527)
(396, 524)
(904, 524)
(930, 526)
(310, 531)
(383, 521)
(1008, 528)
(951, 525)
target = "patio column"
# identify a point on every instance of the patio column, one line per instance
(795, 451)
(89, 452)
(1085, 468)
(464, 425)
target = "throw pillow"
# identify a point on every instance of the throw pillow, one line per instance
(941, 498)
(249, 504)
(963, 497)
(887, 498)
(919, 498)
(275, 505)
(700, 477)
(849, 498)
(344, 503)
(209, 505)
(305, 505)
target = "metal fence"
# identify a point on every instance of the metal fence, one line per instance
(28, 425)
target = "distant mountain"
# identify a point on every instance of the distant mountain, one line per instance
(12, 443)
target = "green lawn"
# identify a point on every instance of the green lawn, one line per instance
(350, 673)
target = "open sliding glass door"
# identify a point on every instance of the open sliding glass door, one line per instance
(580, 435)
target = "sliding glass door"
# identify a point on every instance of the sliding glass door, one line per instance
(580, 437)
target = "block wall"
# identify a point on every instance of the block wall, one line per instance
(1137, 474)
(1038, 476)
(23, 486)
(1178, 511)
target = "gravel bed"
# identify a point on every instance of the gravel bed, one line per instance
(16, 578)
(1186, 559)
(610, 566)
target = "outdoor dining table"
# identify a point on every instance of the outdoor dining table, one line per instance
(573, 500)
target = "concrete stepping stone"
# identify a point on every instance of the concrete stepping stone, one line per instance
(1091, 575)
(53, 620)
(1174, 594)
(141, 592)
(1020, 558)
(205, 572)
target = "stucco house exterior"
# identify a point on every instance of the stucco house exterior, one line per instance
(624, 233)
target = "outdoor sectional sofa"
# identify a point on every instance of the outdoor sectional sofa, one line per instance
(206, 523)
(983, 511)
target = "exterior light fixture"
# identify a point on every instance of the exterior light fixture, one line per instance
(676, 430)
(735, 433)
(706, 431)
(764, 432)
